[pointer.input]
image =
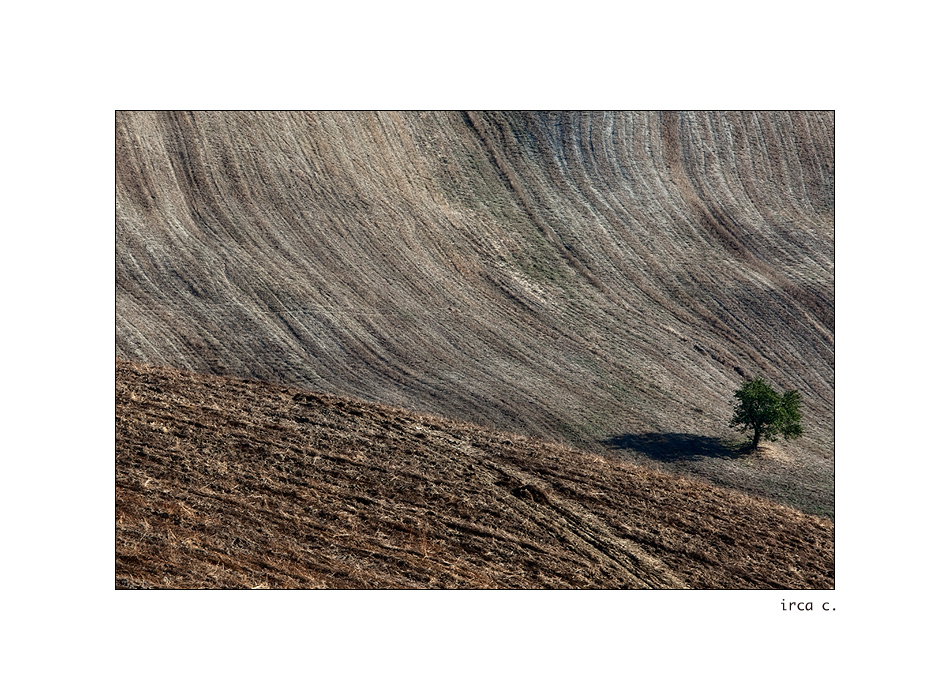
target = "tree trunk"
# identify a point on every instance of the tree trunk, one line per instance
(756, 436)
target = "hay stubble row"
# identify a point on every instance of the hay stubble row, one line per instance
(225, 483)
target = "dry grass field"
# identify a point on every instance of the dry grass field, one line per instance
(224, 483)
(597, 283)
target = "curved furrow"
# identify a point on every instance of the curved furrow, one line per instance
(551, 273)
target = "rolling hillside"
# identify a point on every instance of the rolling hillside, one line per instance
(595, 282)
(225, 483)
(605, 279)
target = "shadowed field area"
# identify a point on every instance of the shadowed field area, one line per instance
(226, 483)
(672, 447)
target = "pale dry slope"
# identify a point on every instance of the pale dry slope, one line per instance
(604, 279)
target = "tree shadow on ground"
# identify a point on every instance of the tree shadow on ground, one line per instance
(677, 447)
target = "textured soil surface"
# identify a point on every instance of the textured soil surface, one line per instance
(604, 280)
(228, 483)
(588, 288)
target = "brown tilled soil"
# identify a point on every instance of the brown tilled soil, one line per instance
(604, 280)
(228, 483)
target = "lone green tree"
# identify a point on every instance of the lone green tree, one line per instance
(765, 412)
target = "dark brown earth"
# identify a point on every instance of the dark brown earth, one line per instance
(227, 483)
(602, 279)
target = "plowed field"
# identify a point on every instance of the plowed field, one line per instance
(223, 483)
(606, 279)
(598, 284)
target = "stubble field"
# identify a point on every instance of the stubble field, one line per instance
(223, 483)
(601, 281)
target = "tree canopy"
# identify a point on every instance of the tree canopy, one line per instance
(768, 414)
